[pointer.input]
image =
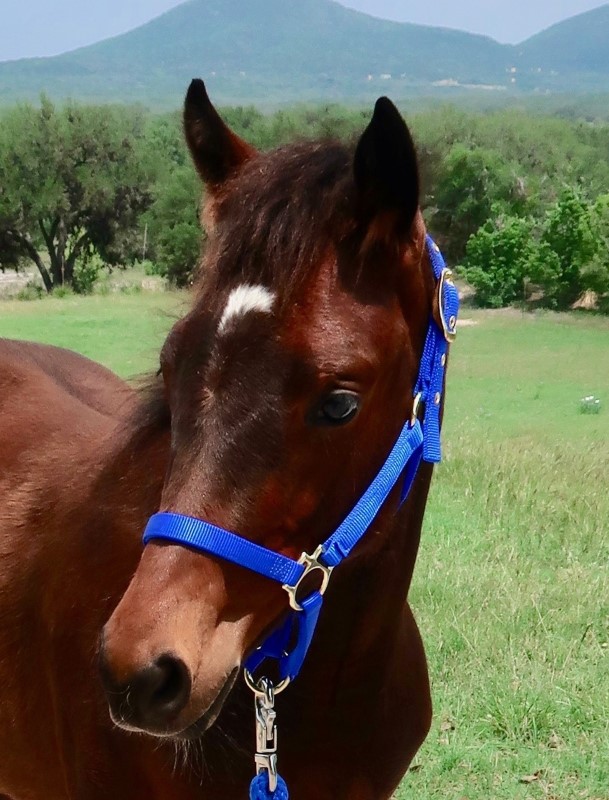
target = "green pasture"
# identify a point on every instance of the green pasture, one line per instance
(512, 584)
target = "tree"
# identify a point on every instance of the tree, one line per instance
(474, 185)
(499, 260)
(569, 234)
(173, 224)
(595, 276)
(71, 181)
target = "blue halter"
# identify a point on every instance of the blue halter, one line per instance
(288, 645)
(418, 440)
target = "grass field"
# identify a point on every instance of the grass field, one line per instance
(512, 584)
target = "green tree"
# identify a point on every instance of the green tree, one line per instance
(569, 233)
(595, 276)
(173, 224)
(474, 185)
(71, 181)
(499, 261)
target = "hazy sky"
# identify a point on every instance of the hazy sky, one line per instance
(47, 27)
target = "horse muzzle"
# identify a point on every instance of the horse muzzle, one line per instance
(159, 698)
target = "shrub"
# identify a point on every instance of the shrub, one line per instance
(153, 268)
(31, 291)
(86, 272)
(62, 292)
(499, 261)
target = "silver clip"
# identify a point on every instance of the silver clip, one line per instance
(266, 732)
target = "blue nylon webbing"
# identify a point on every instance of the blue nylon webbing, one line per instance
(217, 541)
(338, 546)
(288, 644)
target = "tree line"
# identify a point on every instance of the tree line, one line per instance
(518, 201)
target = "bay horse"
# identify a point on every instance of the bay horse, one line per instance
(278, 396)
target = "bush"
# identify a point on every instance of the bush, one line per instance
(86, 272)
(153, 268)
(569, 255)
(62, 292)
(568, 233)
(178, 252)
(31, 291)
(474, 185)
(499, 261)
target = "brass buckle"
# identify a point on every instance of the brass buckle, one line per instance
(448, 326)
(416, 404)
(310, 563)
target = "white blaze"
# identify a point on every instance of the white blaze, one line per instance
(243, 299)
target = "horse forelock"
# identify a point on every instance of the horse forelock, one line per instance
(277, 217)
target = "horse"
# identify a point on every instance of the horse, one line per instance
(278, 396)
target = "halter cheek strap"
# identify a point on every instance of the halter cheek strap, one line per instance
(288, 644)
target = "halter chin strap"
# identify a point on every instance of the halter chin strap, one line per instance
(288, 645)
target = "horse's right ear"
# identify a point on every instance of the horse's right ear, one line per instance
(216, 151)
(386, 172)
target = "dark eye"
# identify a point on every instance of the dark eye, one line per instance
(337, 408)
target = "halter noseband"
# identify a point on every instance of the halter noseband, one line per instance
(418, 440)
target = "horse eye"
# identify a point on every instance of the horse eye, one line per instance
(337, 408)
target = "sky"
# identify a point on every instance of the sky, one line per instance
(47, 27)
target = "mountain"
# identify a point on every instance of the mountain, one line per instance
(268, 51)
(577, 46)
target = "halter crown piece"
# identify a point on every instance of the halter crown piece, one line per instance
(288, 645)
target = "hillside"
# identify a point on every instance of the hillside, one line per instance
(267, 51)
(579, 45)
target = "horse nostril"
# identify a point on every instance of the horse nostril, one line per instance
(161, 691)
(153, 697)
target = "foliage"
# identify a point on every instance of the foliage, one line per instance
(566, 256)
(498, 261)
(86, 272)
(152, 268)
(31, 291)
(568, 233)
(70, 180)
(474, 185)
(173, 225)
(120, 181)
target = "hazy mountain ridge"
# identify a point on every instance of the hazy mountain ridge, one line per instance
(262, 51)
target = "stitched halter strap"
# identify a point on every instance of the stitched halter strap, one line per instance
(289, 643)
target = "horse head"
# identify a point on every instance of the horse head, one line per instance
(286, 384)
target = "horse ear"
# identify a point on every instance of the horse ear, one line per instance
(386, 171)
(216, 151)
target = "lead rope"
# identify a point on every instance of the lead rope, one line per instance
(268, 784)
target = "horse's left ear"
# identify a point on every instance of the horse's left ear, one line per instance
(216, 151)
(386, 171)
